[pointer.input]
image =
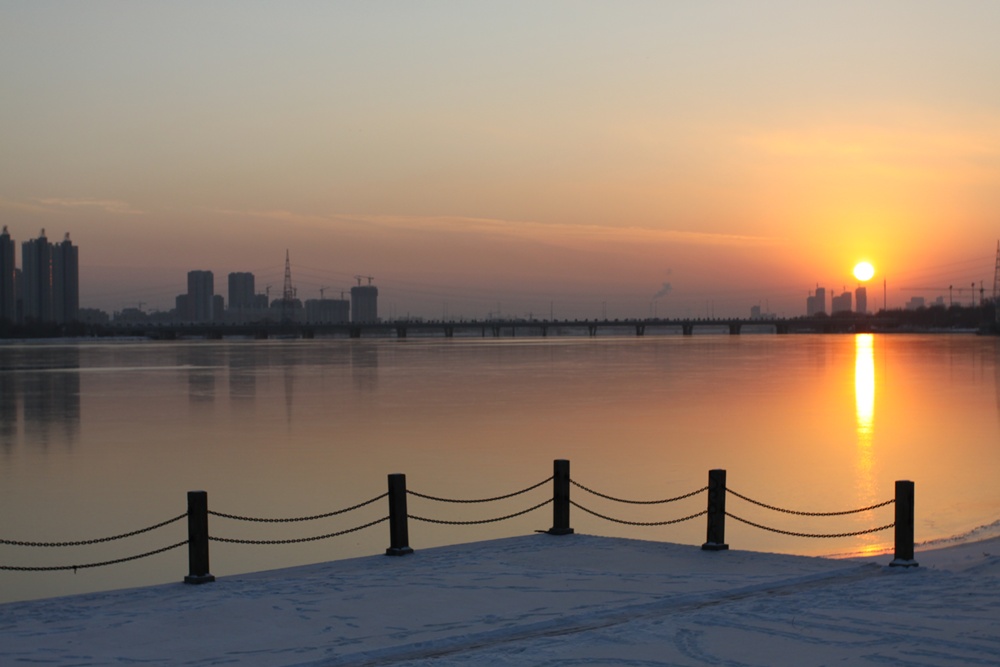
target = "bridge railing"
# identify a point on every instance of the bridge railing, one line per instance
(398, 517)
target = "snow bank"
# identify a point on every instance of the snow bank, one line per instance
(540, 599)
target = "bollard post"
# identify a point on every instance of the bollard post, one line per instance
(904, 525)
(716, 539)
(399, 534)
(560, 498)
(197, 502)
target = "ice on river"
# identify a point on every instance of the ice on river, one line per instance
(540, 600)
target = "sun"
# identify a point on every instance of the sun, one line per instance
(864, 271)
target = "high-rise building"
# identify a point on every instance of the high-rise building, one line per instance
(8, 277)
(201, 289)
(36, 274)
(50, 275)
(816, 304)
(841, 304)
(861, 299)
(65, 282)
(241, 291)
(364, 303)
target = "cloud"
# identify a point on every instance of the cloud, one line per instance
(523, 229)
(115, 206)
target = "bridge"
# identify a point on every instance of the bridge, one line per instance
(498, 328)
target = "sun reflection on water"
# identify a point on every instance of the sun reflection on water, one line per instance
(864, 401)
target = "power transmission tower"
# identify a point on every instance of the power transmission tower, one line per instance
(996, 286)
(287, 293)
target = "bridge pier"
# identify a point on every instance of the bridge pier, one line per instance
(449, 332)
(400, 332)
(734, 328)
(355, 332)
(687, 329)
(640, 329)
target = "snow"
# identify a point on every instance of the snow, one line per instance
(540, 600)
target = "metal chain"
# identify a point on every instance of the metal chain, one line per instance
(779, 509)
(51, 568)
(303, 518)
(471, 523)
(17, 543)
(300, 539)
(788, 532)
(479, 500)
(638, 502)
(637, 523)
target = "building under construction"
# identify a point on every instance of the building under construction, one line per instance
(364, 302)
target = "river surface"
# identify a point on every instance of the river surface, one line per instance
(103, 438)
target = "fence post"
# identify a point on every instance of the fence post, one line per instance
(560, 498)
(904, 525)
(197, 502)
(399, 534)
(716, 540)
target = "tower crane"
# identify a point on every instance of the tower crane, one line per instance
(370, 279)
(950, 289)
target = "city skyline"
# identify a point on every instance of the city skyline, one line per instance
(574, 159)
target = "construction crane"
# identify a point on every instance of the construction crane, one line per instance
(322, 290)
(950, 289)
(370, 279)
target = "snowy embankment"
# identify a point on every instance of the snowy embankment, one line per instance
(540, 599)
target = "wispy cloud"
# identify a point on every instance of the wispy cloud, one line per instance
(115, 206)
(525, 229)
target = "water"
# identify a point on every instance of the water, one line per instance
(102, 438)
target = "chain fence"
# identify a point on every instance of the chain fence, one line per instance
(297, 540)
(810, 514)
(787, 511)
(821, 535)
(637, 502)
(297, 519)
(478, 500)
(98, 540)
(53, 568)
(481, 521)
(638, 523)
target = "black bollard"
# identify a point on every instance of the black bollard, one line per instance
(904, 525)
(716, 539)
(198, 539)
(399, 534)
(560, 498)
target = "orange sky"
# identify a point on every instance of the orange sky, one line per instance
(563, 157)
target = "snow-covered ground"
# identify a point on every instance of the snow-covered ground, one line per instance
(540, 600)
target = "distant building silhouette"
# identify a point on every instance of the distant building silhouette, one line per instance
(328, 311)
(841, 304)
(65, 282)
(816, 304)
(364, 303)
(241, 292)
(8, 278)
(861, 300)
(50, 289)
(201, 289)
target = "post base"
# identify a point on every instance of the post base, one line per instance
(901, 562)
(714, 546)
(199, 579)
(559, 531)
(398, 551)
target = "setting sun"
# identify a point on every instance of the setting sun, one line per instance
(864, 271)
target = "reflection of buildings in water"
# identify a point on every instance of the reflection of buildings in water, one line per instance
(49, 398)
(9, 407)
(242, 364)
(289, 391)
(201, 374)
(364, 366)
(864, 408)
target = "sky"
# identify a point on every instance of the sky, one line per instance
(565, 159)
